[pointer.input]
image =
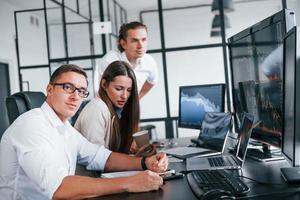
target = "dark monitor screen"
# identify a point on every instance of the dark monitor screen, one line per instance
(195, 101)
(256, 61)
(290, 143)
(244, 136)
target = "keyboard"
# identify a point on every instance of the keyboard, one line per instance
(217, 162)
(202, 181)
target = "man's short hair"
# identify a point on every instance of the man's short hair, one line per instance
(66, 68)
(123, 32)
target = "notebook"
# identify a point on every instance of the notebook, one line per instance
(235, 161)
(212, 140)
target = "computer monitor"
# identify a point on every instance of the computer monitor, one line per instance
(196, 100)
(291, 108)
(256, 63)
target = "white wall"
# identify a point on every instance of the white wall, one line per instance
(7, 44)
(32, 42)
(295, 5)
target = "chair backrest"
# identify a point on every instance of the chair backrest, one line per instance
(21, 102)
(74, 118)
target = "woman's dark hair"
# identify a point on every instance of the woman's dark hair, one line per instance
(123, 32)
(66, 68)
(123, 128)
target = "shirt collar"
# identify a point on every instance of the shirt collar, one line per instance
(124, 58)
(52, 116)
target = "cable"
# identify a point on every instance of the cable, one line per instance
(290, 190)
(260, 182)
(232, 137)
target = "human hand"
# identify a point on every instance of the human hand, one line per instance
(144, 182)
(146, 150)
(157, 163)
(134, 148)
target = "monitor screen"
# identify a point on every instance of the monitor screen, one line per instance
(290, 141)
(244, 135)
(256, 60)
(195, 101)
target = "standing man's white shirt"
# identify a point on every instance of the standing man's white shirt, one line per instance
(38, 150)
(145, 70)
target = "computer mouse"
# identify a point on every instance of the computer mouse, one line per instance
(217, 194)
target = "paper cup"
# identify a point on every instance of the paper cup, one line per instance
(141, 138)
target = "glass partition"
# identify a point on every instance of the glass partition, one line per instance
(157, 108)
(32, 41)
(55, 30)
(201, 66)
(78, 39)
(248, 13)
(191, 20)
(35, 79)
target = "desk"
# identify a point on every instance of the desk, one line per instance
(179, 189)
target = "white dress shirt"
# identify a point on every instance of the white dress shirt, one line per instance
(38, 150)
(145, 70)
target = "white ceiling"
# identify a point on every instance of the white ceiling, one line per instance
(130, 5)
(136, 5)
(26, 4)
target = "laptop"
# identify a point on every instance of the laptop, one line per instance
(235, 161)
(211, 140)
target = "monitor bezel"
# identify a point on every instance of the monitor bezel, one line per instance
(222, 85)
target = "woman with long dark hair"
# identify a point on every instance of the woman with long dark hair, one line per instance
(112, 117)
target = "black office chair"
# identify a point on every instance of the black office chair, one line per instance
(74, 118)
(21, 102)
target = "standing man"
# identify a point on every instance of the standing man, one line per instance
(39, 151)
(132, 47)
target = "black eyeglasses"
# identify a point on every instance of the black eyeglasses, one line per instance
(70, 88)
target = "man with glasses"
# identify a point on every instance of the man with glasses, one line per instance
(39, 151)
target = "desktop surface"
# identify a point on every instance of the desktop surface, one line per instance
(179, 189)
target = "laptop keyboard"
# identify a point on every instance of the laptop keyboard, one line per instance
(202, 181)
(219, 162)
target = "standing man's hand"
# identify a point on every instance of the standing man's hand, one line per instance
(157, 163)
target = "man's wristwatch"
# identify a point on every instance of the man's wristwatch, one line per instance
(143, 163)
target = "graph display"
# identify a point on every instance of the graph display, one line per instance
(195, 101)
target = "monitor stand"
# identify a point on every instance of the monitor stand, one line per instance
(264, 154)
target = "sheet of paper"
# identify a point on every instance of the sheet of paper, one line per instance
(184, 150)
(119, 174)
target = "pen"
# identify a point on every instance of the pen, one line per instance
(169, 171)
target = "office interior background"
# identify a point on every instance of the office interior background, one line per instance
(37, 36)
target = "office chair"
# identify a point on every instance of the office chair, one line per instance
(74, 118)
(21, 102)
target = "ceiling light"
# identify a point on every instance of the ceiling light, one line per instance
(227, 5)
(216, 24)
